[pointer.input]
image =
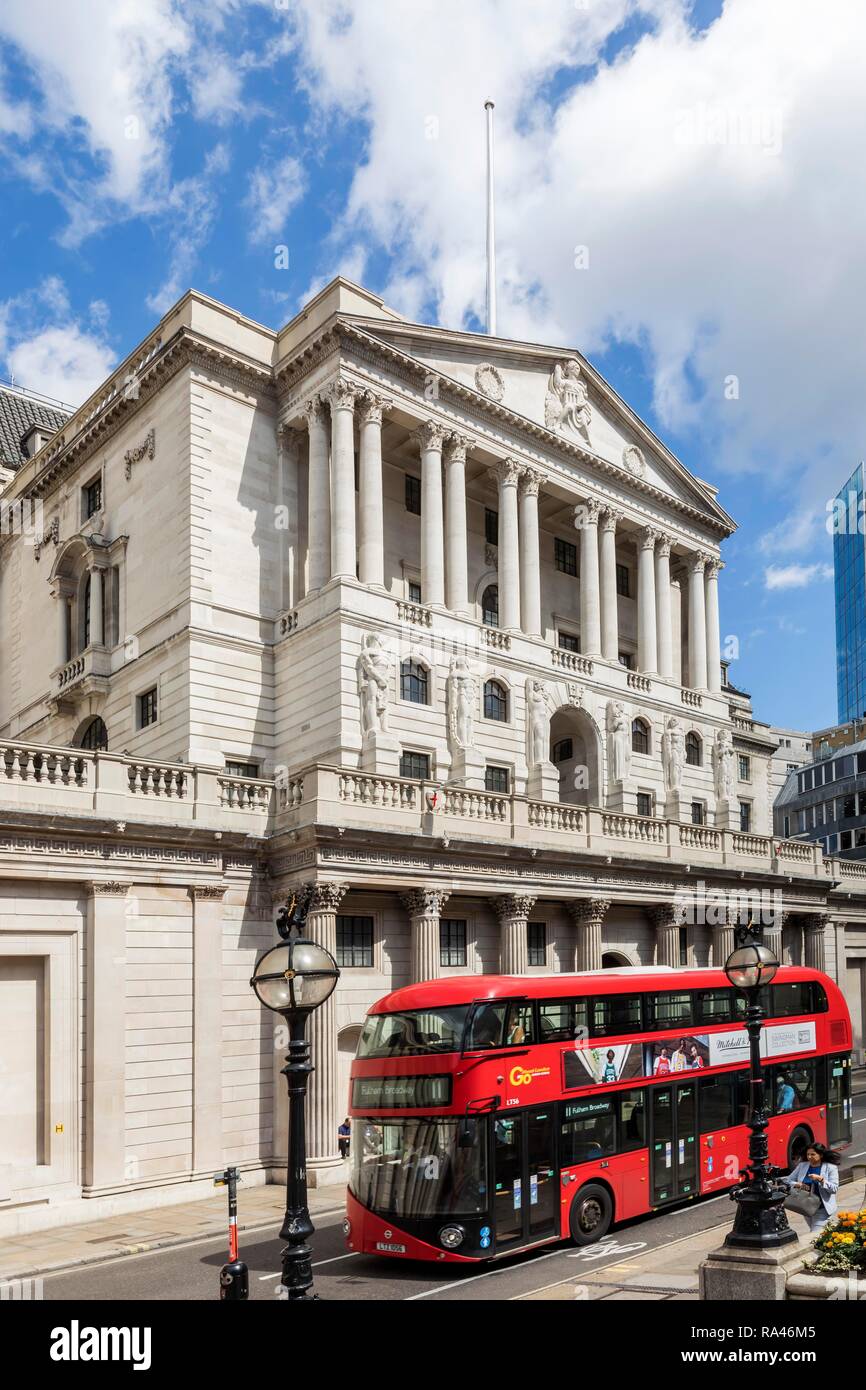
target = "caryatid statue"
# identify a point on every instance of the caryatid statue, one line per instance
(537, 723)
(462, 690)
(723, 765)
(374, 669)
(618, 742)
(673, 754)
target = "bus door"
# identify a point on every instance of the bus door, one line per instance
(674, 1145)
(839, 1101)
(524, 1177)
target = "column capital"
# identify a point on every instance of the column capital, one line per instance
(513, 905)
(664, 546)
(425, 902)
(646, 538)
(713, 567)
(698, 561)
(204, 891)
(816, 922)
(96, 889)
(667, 915)
(430, 434)
(325, 897)
(370, 407)
(611, 518)
(589, 912)
(530, 481)
(586, 513)
(341, 393)
(507, 471)
(314, 410)
(455, 446)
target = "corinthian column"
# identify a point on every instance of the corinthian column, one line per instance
(586, 521)
(697, 623)
(530, 564)
(325, 1102)
(588, 917)
(814, 941)
(424, 906)
(318, 497)
(664, 619)
(667, 923)
(513, 912)
(647, 657)
(456, 574)
(341, 397)
(371, 539)
(714, 640)
(430, 437)
(609, 604)
(507, 472)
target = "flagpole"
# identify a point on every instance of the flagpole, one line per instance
(491, 236)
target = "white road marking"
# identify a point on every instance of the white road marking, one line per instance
(317, 1264)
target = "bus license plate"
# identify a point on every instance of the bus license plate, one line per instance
(390, 1247)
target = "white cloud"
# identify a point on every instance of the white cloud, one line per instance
(708, 174)
(47, 349)
(274, 190)
(795, 576)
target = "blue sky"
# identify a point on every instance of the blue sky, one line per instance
(704, 155)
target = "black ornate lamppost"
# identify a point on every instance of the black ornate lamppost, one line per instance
(293, 979)
(761, 1220)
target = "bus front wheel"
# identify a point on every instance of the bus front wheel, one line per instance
(591, 1214)
(798, 1143)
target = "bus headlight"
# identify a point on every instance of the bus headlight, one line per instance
(451, 1237)
(347, 1227)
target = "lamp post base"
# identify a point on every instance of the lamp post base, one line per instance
(761, 1220)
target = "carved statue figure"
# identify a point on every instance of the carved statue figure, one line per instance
(723, 765)
(373, 669)
(462, 691)
(566, 405)
(537, 722)
(673, 754)
(618, 742)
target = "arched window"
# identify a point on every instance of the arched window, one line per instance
(414, 682)
(490, 606)
(694, 749)
(95, 736)
(495, 701)
(563, 751)
(640, 736)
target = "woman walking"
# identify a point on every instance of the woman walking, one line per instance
(817, 1175)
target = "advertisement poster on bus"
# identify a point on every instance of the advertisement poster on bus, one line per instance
(670, 1056)
(600, 1064)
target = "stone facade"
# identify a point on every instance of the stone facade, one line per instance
(321, 608)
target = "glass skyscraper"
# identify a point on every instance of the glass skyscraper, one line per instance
(849, 564)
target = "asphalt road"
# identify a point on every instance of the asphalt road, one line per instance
(191, 1272)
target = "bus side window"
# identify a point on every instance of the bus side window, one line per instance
(717, 1103)
(519, 1028)
(632, 1122)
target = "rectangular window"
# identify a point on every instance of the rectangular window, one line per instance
(242, 769)
(745, 816)
(568, 642)
(588, 1131)
(452, 942)
(414, 592)
(496, 780)
(147, 708)
(536, 934)
(632, 1121)
(627, 660)
(669, 1010)
(615, 1013)
(845, 840)
(491, 526)
(718, 1101)
(788, 1001)
(415, 765)
(560, 1020)
(355, 942)
(794, 1087)
(644, 804)
(622, 586)
(713, 1006)
(745, 768)
(565, 556)
(413, 494)
(697, 813)
(93, 497)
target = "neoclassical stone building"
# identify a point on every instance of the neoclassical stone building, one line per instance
(423, 623)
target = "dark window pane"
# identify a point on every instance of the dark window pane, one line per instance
(490, 606)
(452, 942)
(713, 1006)
(669, 1010)
(697, 813)
(413, 494)
(562, 1020)
(639, 736)
(415, 765)
(693, 749)
(495, 701)
(563, 750)
(147, 708)
(491, 526)
(588, 1131)
(622, 580)
(496, 780)
(414, 682)
(568, 642)
(537, 942)
(355, 941)
(615, 1013)
(565, 556)
(242, 769)
(718, 1103)
(632, 1121)
(644, 804)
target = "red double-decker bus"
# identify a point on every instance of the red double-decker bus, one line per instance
(495, 1113)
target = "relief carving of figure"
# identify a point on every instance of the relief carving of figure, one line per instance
(462, 691)
(673, 754)
(537, 722)
(723, 765)
(373, 668)
(566, 405)
(618, 742)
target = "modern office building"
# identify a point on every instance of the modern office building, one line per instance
(793, 750)
(849, 566)
(420, 623)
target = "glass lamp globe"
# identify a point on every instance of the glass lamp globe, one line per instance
(751, 966)
(295, 975)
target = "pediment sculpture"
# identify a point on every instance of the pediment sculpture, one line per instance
(566, 405)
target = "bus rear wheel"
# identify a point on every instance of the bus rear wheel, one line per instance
(798, 1143)
(591, 1214)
